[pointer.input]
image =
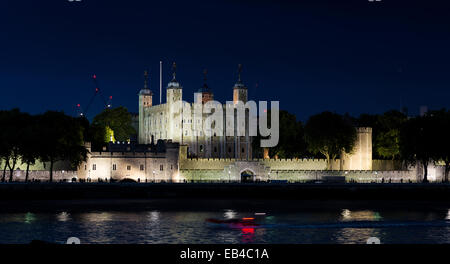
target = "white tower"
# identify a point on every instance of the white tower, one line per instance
(145, 102)
(174, 99)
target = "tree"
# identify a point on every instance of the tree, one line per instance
(441, 140)
(387, 144)
(291, 143)
(416, 142)
(17, 132)
(329, 134)
(11, 139)
(61, 139)
(385, 132)
(30, 146)
(110, 125)
(388, 134)
(5, 148)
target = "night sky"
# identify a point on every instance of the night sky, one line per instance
(344, 56)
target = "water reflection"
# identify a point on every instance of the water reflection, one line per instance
(154, 216)
(29, 218)
(248, 235)
(229, 214)
(364, 215)
(63, 217)
(190, 227)
(96, 217)
(356, 235)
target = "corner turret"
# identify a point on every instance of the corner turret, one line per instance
(240, 92)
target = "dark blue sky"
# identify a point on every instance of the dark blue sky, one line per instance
(344, 56)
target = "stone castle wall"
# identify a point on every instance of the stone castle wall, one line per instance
(283, 164)
(227, 170)
(42, 175)
(387, 165)
(306, 176)
(361, 156)
(292, 170)
(141, 167)
(39, 165)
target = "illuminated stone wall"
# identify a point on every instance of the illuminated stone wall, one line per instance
(39, 165)
(309, 175)
(301, 170)
(138, 166)
(387, 165)
(164, 122)
(43, 175)
(361, 156)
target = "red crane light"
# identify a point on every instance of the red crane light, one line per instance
(78, 105)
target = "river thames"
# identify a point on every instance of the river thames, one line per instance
(338, 225)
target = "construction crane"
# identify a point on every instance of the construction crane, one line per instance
(97, 92)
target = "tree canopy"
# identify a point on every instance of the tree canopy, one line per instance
(425, 139)
(112, 124)
(49, 137)
(329, 134)
(416, 143)
(441, 138)
(385, 133)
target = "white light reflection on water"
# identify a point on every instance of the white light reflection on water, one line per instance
(178, 227)
(96, 217)
(154, 216)
(355, 235)
(63, 217)
(362, 215)
(229, 214)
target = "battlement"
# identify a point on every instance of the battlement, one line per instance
(364, 129)
(116, 154)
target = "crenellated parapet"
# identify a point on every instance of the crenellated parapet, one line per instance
(364, 130)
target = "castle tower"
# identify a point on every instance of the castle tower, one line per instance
(174, 99)
(145, 102)
(361, 157)
(239, 147)
(239, 90)
(204, 94)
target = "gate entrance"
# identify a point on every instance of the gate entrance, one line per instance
(247, 176)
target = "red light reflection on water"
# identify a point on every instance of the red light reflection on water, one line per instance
(248, 235)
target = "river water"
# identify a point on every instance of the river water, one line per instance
(330, 226)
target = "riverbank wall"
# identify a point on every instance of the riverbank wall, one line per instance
(68, 191)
